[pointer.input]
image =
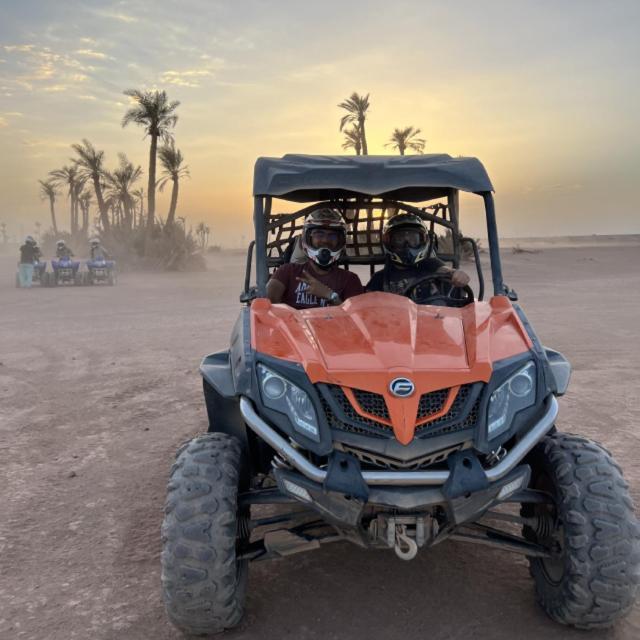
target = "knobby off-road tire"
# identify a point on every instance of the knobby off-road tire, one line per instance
(594, 581)
(204, 586)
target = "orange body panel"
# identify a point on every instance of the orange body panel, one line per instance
(373, 338)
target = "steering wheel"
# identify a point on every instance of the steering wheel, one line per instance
(447, 296)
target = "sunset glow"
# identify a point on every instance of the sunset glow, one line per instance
(545, 94)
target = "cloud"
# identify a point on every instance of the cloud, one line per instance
(121, 17)
(90, 53)
(20, 48)
(192, 77)
(55, 88)
(313, 72)
(3, 122)
(45, 69)
(86, 97)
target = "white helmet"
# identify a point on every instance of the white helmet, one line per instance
(29, 240)
(324, 236)
(60, 244)
(94, 242)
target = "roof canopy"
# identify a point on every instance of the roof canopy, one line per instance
(303, 178)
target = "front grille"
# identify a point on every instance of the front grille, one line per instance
(346, 418)
(371, 460)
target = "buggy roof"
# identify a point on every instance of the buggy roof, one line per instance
(303, 178)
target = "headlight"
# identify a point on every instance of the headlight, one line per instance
(513, 395)
(281, 395)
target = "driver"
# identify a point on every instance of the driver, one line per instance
(319, 281)
(62, 251)
(97, 251)
(404, 239)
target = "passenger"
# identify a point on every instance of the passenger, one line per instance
(29, 253)
(405, 242)
(98, 252)
(319, 281)
(62, 251)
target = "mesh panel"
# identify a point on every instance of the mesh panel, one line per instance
(432, 402)
(362, 426)
(364, 228)
(372, 403)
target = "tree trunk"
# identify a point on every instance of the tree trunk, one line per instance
(401, 149)
(72, 207)
(104, 214)
(53, 216)
(151, 193)
(363, 138)
(174, 203)
(127, 215)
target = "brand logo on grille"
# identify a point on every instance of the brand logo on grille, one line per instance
(401, 387)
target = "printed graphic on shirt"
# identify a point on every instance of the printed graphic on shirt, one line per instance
(304, 298)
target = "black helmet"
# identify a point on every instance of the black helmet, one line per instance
(404, 239)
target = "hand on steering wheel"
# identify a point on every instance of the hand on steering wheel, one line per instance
(443, 282)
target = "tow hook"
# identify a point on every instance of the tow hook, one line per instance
(405, 547)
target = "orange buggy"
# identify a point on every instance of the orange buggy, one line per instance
(389, 421)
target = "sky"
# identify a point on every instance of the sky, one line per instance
(545, 94)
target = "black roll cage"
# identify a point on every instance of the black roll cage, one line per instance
(444, 215)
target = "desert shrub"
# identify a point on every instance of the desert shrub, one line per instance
(165, 248)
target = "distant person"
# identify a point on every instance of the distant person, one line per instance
(405, 242)
(29, 253)
(62, 251)
(97, 251)
(319, 281)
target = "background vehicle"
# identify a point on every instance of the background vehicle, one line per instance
(387, 423)
(65, 271)
(101, 270)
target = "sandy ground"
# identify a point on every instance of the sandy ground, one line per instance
(98, 386)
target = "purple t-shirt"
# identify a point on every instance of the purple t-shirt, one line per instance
(345, 283)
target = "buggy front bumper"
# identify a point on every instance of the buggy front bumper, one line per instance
(399, 478)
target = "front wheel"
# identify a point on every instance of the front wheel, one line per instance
(592, 579)
(204, 584)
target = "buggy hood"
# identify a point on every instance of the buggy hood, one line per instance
(374, 338)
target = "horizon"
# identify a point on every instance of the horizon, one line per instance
(545, 96)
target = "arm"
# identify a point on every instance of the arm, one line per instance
(458, 277)
(275, 290)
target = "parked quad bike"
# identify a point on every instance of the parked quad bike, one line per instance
(100, 271)
(389, 421)
(65, 271)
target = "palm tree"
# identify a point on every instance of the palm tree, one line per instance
(202, 231)
(119, 188)
(91, 163)
(69, 176)
(356, 107)
(352, 140)
(153, 111)
(49, 190)
(171, 160)
(403, 139)
(139, 195)
(85, 205)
